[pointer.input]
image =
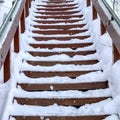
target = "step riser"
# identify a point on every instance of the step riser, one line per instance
(58, 16)
(33, 74)
(70, 32)
(51, 46)
(56, 5)
(61, 38)
(60, 1)
(56, 22)
(70, 54)
(51, 63)
(68, 86)
(63, 27)
(75, 102)
(58, 13)
(57, 9)
(99, 117)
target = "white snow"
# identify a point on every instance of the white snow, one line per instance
(103, 46)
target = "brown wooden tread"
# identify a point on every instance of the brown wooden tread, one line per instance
(57, 5)
(60, 38)
(64, 27)
(92, 117)
(76, 102)
(71, 54)
(55, 22)
(73, 46)
(67, 86)
(60, 1)
(56, 9)
(54, 32)
(38, 74)
(57, 12)
(51, 63)
(57, 16)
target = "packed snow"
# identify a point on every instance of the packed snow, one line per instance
(111, 72)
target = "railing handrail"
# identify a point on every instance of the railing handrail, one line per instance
(114, 16)
(8, 17)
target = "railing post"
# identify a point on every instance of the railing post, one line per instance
(7, 67)
(116, 54)
(94, 12)
(102, 27)
(88, 3)
(16, 40)
(27, 8)
(22, 22)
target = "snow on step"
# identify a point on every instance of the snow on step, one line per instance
(55, 110)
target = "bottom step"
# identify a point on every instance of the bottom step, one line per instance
(97, 117)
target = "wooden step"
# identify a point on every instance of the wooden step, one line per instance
(73, 46)
(54, 32)
(71, 54)
(60, 38)
(65, 8)
(56, 22)
(76, 102)
(57, 16)
(51, 63)
(57, 5)
(72, 74)
(92, 117)
(58, 1)
(67, 86)
(64, 27)
(57, 12)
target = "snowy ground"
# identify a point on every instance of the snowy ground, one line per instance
(103, 44)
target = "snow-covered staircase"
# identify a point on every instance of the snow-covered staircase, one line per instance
(60, 76)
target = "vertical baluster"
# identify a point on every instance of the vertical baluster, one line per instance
(7, 67)
(94, 13)
(88, 3)
(116, 54)
(16, 40)
(102, 27)
(22, 21)
(27, 8)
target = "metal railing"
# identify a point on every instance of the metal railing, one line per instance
(112, 12)
(8, 17)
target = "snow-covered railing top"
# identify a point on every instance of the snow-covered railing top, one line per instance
(112, 9)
